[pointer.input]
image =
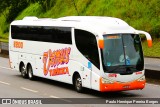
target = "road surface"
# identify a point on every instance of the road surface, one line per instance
(12, 85)
(152, 63)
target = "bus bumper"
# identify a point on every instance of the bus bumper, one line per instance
(117, 86)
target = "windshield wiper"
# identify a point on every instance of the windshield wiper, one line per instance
(117, 67)
(126, 67)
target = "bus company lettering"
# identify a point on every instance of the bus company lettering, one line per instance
(52, 59)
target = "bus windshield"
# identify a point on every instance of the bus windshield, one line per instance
(122, 53)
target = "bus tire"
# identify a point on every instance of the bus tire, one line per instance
(23, 70)
(30, 72)
(78, 83)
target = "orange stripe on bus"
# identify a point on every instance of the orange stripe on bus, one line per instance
(117, 86)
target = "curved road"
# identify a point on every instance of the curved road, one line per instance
(12, 85)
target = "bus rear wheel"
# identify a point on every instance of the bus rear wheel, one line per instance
(30, 72)
(78, 83)
(23, 70)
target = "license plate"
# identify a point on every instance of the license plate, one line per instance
(126, 86)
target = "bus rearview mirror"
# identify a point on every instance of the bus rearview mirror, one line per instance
(149, 43)
(148, 36)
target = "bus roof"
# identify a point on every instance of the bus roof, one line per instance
(95, 24)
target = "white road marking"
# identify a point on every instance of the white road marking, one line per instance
(60, 98)
(5, 68)
(53, 96)
(4, 83)
(153, 85)
(27, 89)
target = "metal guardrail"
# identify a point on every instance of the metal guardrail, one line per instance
(3, 46)
(0, 47)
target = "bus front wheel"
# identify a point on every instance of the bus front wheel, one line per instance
(78, 83)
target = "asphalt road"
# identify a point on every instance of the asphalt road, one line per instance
(12, 85)
(152, 63)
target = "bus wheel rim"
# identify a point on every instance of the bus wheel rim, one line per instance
(30, 73)
(78, 83)
(23, 71)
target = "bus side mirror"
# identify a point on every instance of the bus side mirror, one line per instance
(149, 43)
(101, 43)
(148, 36)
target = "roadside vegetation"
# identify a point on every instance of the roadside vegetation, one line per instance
(141, 14)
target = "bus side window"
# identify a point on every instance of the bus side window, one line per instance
(87, 44)
(42, 33)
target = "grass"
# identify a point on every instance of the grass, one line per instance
(32, 10)
(3, 27)
(153, 51)
(4, 40)
(141, 14)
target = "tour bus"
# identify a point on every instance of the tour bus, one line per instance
(99, 53)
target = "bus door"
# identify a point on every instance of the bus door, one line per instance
(88, 56)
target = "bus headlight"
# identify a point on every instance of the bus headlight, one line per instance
(141, 78)
(106, 81)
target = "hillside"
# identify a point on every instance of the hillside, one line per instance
(141, 14)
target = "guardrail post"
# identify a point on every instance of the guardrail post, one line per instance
(0, 47)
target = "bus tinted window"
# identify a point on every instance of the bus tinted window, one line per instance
(42, 33)
(87, 44)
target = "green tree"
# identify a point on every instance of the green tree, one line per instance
(46, 4)
(14, 7)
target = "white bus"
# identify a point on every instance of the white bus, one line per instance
(100, 53)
